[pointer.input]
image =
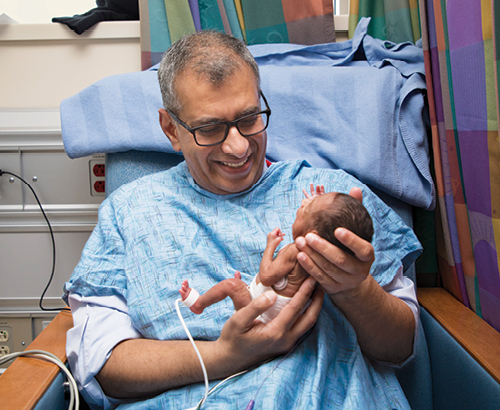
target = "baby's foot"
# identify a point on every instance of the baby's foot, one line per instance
(185, 290)
(190, 298)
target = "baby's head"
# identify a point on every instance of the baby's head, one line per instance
(324, 213)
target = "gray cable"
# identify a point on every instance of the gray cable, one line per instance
(74, 402)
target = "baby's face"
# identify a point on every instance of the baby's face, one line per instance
(302, 224)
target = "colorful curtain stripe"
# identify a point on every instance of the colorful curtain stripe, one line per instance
(155, 35)
(255, 21)
(393, 20)
(460, 54)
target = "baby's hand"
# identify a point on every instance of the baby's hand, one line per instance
(320, 190)
(275, 237)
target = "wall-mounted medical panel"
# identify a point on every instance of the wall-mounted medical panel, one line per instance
(57, 179)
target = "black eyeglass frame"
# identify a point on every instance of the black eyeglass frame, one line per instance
(228, 124)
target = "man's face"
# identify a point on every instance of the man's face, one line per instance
(237, 163)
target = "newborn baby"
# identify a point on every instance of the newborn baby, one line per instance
(319, 213)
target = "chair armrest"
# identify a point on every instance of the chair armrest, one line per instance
(476, 336)
(27, 379)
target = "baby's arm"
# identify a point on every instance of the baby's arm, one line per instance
(285, 265)
(269, 273)
(296, 275)
(235, 288)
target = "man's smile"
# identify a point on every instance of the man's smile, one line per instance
(235, 164)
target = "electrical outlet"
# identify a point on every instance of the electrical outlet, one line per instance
(99, 170)
(97, 175)
(4, 351)
(99, 188)
(4, 336)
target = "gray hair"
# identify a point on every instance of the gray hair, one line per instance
(209, 54)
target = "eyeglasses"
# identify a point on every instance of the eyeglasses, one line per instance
(216, 133)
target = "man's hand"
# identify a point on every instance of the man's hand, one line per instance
(145, 367)
(245, 341)
(335, 270)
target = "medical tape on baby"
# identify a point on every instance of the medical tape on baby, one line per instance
(281, 301)
(191, 299)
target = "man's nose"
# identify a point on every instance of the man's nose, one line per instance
(235, 143)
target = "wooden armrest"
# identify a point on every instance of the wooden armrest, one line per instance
(476, 336)
(27, 379)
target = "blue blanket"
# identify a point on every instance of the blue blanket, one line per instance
(356, 105)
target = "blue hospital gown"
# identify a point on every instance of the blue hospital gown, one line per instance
(161, 229)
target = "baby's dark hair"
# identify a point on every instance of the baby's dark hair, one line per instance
(347, 212)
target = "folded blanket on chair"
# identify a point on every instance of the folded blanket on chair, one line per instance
(360, 102)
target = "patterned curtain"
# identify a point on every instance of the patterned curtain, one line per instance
(461, 55)
(393, 20)
(460, 40)
(255, 21)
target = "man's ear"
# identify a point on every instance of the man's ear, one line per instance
(169, 129)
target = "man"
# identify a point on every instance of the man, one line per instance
(206, 219)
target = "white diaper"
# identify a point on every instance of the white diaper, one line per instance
(258, 289)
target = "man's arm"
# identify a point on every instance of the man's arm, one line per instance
(384, 324)
(141, 368)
